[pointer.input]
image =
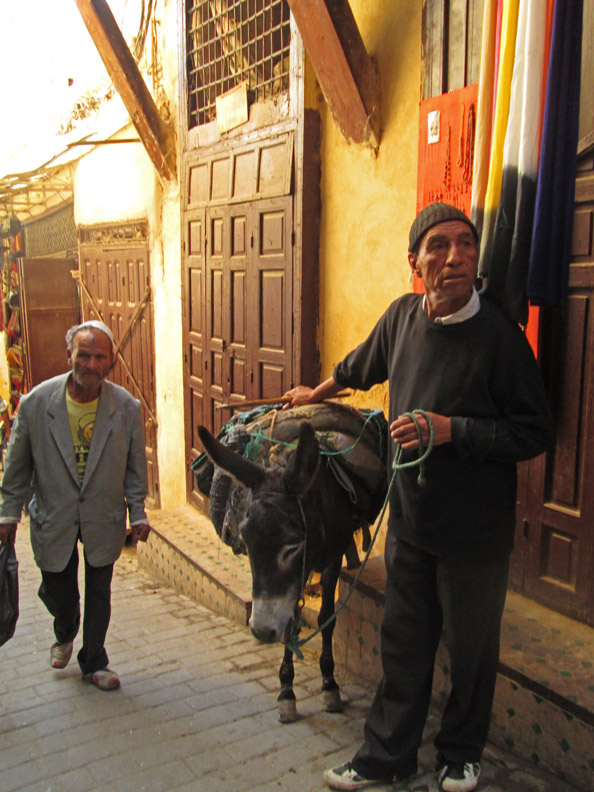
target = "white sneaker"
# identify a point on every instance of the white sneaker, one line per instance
(347, 779)
(459, 776)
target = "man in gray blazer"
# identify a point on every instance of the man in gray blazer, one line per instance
(78, 442)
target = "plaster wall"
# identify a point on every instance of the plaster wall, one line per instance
(368, 198)
(115, 183)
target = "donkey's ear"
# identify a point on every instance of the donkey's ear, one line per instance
(305, 462)
(242, 470)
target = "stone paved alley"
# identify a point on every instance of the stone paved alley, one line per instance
(196, 711)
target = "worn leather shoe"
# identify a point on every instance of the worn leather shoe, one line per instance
(60, 654)
(104, 679)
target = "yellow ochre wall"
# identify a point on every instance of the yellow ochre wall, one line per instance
(117, 183)
(369, 199)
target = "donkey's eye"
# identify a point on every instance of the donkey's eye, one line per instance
(288, 554)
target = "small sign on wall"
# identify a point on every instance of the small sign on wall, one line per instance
(232, 108)
(433, 130)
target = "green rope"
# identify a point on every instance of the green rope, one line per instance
(253, 445)
(295, 643)
(423, 454)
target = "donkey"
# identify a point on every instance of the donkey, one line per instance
(299, 520)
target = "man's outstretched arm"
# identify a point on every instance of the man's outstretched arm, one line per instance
(303, 394)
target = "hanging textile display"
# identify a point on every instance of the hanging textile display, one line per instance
(506, 244)
(553, 224)
(485, 110)
(525, 127)
(507, 46)
(527, 122)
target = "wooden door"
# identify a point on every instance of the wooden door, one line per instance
(49, 306)
(554, 553)
(115, 289)
(238, 310)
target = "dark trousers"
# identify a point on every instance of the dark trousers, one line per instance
(426, 596)
(59, 593)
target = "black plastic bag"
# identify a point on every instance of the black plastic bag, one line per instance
(9, 591)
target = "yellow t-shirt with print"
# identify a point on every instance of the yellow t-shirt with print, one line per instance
(82, 420)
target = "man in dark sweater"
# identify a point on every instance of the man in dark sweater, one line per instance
(455, 356)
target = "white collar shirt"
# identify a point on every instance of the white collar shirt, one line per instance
(471, 308)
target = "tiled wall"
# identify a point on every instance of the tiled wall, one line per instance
(167, 564)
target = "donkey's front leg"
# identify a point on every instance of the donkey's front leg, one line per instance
(287, 706)
(330, 690)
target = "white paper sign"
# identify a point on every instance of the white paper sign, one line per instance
(433, 123)
(232, 108)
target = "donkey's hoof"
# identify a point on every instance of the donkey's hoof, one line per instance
(332, 701)
(287, 711)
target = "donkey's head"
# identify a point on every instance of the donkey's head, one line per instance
(274, 529)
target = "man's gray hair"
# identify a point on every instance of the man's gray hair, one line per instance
(91, 324)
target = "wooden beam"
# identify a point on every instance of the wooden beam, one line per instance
(157, 138)
(342, 65)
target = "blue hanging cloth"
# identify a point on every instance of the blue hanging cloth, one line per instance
(548, 275)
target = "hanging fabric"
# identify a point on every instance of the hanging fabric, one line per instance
(506, 252)
(509, 25)
(485, 109)
(525, 156)
(548, 276)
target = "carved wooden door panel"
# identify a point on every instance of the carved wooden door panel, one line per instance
(216, 361)
(194, 335)
(555, 539)
(270, 308)
(239, 382)
(115, 289)
(248, 304)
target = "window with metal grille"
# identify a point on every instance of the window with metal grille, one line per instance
(53, 234)
(233, 41)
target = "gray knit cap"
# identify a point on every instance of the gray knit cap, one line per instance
(432, 215)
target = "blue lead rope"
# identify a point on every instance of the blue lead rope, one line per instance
(295, 643)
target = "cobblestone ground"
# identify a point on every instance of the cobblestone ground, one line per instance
(196, 710)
